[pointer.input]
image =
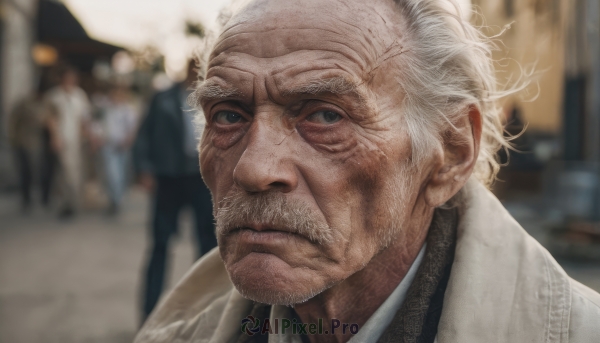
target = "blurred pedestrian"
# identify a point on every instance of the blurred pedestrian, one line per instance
(119, 124)
(166, 158)
(49, 162)
(24, 129)
(66, 122)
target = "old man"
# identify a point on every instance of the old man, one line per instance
(348, 147)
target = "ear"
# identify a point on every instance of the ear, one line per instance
(458, 159)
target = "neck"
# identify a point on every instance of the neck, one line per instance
(354, 300)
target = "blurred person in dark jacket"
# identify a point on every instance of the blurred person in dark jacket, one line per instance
(24, 133)
(166, 159)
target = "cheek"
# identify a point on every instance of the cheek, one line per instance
(359, 191)
(217, 167)
(386, 186)
(210, 163)
(349, 175)
(346, 187)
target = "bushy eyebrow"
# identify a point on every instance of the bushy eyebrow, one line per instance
(210, 90)
(335, 85)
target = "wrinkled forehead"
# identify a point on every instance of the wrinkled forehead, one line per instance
(359, 30)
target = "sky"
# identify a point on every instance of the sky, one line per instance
(135, 24)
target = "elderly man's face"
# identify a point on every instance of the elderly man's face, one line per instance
(305, 149)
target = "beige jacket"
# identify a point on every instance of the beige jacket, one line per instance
(504, 287)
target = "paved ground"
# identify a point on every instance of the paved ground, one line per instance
(78, 282)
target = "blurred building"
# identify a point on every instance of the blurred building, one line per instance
(559, 42)
(531, 35)
(58, 30)
(557, 174)
(35, 36)
(17, 74)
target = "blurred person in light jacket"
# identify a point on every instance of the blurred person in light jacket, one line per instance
(66, 120)
(166, 159)
(24, 133)
(119, 123)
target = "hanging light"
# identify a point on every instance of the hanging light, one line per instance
(44, 55)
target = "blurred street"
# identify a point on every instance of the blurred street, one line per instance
(76, 281)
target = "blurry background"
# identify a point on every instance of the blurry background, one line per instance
(78, 280)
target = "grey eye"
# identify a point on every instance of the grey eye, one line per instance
(324, 117)
(227, 118)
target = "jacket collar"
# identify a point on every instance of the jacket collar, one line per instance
(504, 286)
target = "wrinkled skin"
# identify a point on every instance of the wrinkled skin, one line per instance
(338, 152)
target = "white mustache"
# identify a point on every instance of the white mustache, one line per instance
(274, 210)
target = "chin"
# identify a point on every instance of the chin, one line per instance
(274, 296)
(267, 279)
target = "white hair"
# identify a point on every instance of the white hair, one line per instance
(446, 68)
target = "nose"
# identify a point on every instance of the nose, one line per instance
(267, 162)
